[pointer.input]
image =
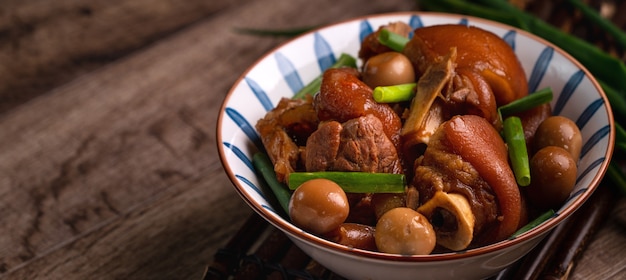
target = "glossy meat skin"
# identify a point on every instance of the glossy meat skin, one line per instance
(343, 96)
(466, 155)
(478, 50)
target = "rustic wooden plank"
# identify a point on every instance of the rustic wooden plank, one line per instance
(172, 237)
(606, 250)
(47, 43)
(109, 160)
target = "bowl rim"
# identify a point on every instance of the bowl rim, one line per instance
(539, 230)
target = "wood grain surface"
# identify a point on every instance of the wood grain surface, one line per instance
(108, 159)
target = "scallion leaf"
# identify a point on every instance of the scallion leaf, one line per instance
(392, 40)
(264, 166)
(534, 223)
(518, 154)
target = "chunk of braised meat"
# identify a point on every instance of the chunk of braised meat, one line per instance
(487, 73)
(343, 96)
(283, 129)
(371, 46)
(466, 155)
(356, 145)
(479, 51)
(441, 170)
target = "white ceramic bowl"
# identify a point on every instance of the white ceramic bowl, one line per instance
(286, 69)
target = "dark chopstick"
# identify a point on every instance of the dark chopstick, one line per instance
(588, 221)
(226, 260)
(533, 264)
(294, 261)
(556, 255)
(270, 251)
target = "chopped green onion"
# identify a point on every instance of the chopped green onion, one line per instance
(527, 102)
(395, 93)
(354, 182)
(345, 60)
(616, 100)
(620, 137)
(263, 165)
(392, 40)
(534, 223)
(514, 136)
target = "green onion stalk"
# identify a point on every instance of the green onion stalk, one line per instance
(353, 182)
(395, 93)
(534, 223)
(392, 40)
(518, 153)
(527, 102)
(264, 166)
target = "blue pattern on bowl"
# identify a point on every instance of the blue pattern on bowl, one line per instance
(290, 74)
(245, 126)
(415, 22)
(509, 38)
(540, 68)
(323, 51)
(260, 94)
(567, 92)
(364, 30)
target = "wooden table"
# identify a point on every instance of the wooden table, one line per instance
(108, 158)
